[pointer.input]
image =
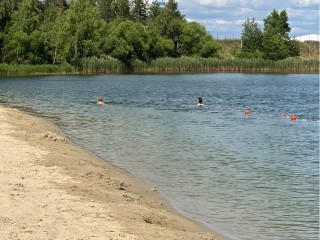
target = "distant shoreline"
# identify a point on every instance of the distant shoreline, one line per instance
(167, 66)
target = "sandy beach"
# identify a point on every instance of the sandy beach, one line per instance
(53, 189)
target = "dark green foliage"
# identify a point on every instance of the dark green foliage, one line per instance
(274, 46)
(172, 7)
(139, 11)
(294, 48)
(23, 43)
(107, 9)
(251, 36)
(169, 24)
(277, 23)
(76, 33)
(6, 9)
(59, 4)
(51, 31)
(128, 35)
(209, 49)
(256, 54)
(154, 10)
(195, 41)
(123, 9)
(276, 41)
(127, 40)
(273, 43)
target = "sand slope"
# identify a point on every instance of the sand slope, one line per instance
(52, 189)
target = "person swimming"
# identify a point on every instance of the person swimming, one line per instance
(200, 102)
(100, 100)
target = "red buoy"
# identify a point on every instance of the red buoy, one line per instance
(246, 112)
(282, 115)
(293, 117)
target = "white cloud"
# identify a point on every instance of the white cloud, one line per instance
(305, 3)
(215, 3)
(227, 16)
(295, 14)
(221, 22)
(233, 3)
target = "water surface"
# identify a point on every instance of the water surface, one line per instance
(250, 176)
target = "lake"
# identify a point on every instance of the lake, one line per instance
(247, 176)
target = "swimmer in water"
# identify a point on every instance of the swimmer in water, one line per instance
(100, 100)
(200, 102)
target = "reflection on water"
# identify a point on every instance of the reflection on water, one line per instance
(249, 176)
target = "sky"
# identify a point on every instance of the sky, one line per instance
(224, 18)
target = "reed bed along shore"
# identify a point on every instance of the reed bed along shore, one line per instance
(26, 69)
(96, 65)
(233, 65)
(190, 64)
(167, 65)
(308, 49)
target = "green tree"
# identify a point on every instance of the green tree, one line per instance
(274, 47)
(59, 4)
(191, 37)
(196, 41)
(107, 9)
(154, 10)
(209, 48)
(123, 9)
(51, 11)
(62, 4)
(59, 40)
(277, 23)
(20, 43)
(139, 11)
(6, 9)
(294, 48)
(164, 47)
(172, 6)
(276, 41)
(169, 25)
(76, 32)
(127, 40)
(251, 37)
(159, 46)
(174, 32)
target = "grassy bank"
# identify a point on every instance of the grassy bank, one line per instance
(188, 64)
(24, 69)
(104, 65)
(308, 49)
(308, 62)
(166, 65)
(233, 65)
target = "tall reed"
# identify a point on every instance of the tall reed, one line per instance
(195, 64)
(95, 65)
(167, 65)
(19, 70)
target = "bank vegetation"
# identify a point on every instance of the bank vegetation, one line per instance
(133, 36)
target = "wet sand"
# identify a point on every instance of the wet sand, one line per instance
(53, 189)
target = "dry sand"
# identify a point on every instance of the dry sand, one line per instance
(53, 189)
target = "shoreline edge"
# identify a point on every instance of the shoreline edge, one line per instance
(53, 188)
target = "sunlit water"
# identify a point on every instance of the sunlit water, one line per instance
(250, 176)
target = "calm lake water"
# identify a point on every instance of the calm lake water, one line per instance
(250, 176)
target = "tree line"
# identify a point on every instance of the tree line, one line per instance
(60, 31)
(273, 42)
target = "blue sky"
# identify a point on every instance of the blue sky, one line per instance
(224, 18)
